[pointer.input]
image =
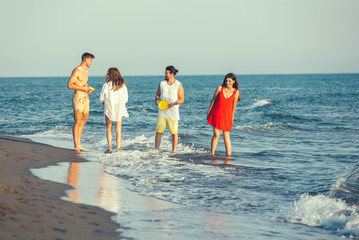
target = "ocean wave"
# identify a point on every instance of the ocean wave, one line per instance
(59, 136)
(347, 187)
(288, 116)
(141, 109)
(267, 126)
(58, 132)
(326, 212)
(258, 103)
(337, 212)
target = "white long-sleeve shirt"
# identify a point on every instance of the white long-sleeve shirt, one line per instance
(114, 102)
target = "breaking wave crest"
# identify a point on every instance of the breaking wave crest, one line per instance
(258, 103)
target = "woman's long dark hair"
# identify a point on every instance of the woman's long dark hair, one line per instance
(233, 77)
(113, 75)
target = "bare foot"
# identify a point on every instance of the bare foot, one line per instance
(82, 149)
(79, 149)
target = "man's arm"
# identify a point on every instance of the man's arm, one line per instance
(158, 94)
(180, 95)
(73, 80)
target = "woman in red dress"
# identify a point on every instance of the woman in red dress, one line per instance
(221, 111)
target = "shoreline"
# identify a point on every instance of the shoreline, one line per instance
(33, 208)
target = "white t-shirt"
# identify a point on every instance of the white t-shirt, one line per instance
(170, 93)
(114, 102)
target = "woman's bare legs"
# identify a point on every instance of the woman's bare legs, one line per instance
(227, 143)
(109, 134)
(216, 134)
(118, 134)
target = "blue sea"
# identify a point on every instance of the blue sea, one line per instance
(294, 172)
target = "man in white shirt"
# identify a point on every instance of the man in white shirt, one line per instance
(172, 91)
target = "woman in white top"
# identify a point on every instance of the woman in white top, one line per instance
(114, 97)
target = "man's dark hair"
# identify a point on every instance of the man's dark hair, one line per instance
(87, 55)
(172, 70)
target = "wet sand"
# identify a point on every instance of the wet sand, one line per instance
(31, 208)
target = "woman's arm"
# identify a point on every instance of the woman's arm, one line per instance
(236, 99)
(102, 94)
(218, 90)
(125, 97)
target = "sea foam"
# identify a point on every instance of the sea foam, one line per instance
(258, 103)
(326, 212)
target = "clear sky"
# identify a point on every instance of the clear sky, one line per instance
(142, 37)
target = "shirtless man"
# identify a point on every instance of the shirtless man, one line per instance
(80, 100)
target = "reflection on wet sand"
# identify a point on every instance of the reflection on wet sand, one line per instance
(219, 160)
(216, 224)
(107, 195)
(92, 185)
(72, 179)
(95, 186)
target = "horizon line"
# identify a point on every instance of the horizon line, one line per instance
(155, 75)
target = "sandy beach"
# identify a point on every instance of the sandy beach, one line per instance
(31, 208)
